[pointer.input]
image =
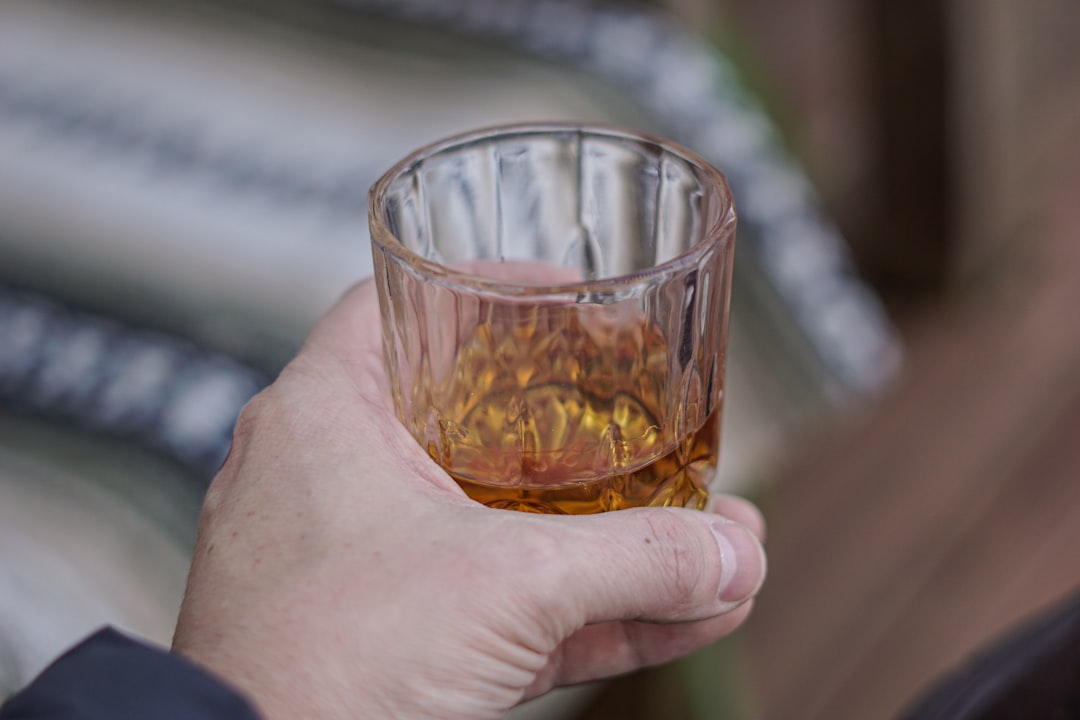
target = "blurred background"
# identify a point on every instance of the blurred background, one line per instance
(182, 193)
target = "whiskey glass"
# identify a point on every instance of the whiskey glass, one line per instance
(554, 301)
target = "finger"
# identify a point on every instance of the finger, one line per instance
(741, 511)
(336, 389)
(351, 327)
(654, 564)
(342, 355)
(616, 648)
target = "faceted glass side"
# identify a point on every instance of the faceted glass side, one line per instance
(555, 314)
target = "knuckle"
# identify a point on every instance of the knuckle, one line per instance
(537, 570)
(214, 499)
(683, 559)
(269, 413)
(251, 417)
(538, 550)
(555, 609)
(537, 563)
(257, 425)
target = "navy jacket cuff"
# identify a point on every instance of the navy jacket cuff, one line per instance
(110, 676)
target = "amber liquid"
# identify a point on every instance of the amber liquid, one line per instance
(560, 418)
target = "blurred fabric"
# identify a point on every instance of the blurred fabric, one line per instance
(182, 193)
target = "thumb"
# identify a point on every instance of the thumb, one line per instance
(659, 565)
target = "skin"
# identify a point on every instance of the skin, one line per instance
(339, 573)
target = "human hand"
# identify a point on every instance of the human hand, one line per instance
(340, 573)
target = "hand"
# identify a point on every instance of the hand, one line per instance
(340, 573)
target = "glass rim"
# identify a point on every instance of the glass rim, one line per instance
(718, 223)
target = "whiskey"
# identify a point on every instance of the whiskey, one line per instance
(679, 479)
(575, 413)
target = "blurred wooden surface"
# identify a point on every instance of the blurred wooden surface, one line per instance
(949, 512)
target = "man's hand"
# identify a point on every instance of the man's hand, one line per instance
(340, 573)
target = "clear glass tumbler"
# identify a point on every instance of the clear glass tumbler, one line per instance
(554, 313)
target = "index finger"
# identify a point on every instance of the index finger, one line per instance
(347, 341)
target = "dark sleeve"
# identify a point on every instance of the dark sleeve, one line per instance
(1032, 672)
(112, 677)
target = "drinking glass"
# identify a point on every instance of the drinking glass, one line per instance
(554, 303)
